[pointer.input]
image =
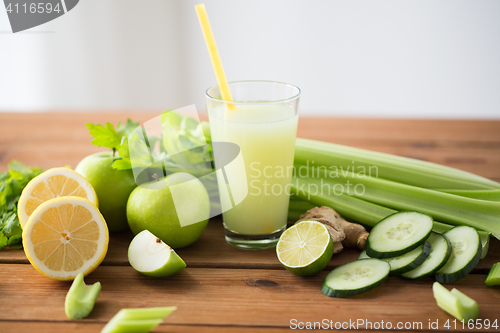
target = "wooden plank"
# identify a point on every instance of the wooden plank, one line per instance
(239, 297)
(212, 251)
(402, 130)
(326, 129)
(55, 139)
(82, 326)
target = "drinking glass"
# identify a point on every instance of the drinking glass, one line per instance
(262, 121)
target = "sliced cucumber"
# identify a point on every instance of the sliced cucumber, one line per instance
(355, 277)
(439, 255)
(398, 234)
(407, 261)
(465, 254)
(441, 228)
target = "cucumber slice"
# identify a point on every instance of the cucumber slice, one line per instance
(465, 254)
(407, 261)
(440, 253)
(355, 277)
(398, 234)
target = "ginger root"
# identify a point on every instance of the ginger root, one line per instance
(343, 233)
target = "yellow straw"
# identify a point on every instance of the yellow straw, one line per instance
(214, 55)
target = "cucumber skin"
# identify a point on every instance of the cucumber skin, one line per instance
(384, 255)
(437, 268)
(347, 293)
(341, 293)
(453, 277)
(415, 263)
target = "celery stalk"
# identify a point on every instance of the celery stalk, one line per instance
(81, 298)
(396, 168)
(140, 320)
(359, 210)
(455, 303)
(348, 207)
(490, 195)
(493, 278)
(453, 209)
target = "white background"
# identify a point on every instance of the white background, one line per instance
(374, 58)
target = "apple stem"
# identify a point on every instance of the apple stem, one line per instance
(158, 240)
(114, 151)
(155, 176)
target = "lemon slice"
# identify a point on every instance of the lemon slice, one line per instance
(305, 248)
(53, 183)
(65, 236)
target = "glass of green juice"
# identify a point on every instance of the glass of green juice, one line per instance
(262, 120)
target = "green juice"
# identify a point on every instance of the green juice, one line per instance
(266, 135)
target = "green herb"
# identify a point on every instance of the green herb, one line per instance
(108, 136)
(12, 184)
(183, 147)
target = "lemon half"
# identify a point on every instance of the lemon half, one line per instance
(53, 183)
(65, 236)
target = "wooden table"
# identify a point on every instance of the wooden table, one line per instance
(225, 289)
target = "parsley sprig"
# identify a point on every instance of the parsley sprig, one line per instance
(108, 136)
(12, 184)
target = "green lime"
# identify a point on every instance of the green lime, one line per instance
(305, 248)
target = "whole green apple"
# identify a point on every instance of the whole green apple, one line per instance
(175, 209)
(112, 187)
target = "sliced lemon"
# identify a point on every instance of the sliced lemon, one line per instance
(305, 248)
(53, 183)
(65, 236)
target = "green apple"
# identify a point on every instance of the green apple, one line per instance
(150, 256)
(112, 187)
(175, 209)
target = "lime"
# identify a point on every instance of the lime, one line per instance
(305, 248)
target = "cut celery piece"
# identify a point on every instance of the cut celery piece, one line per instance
(485, 243)
(81, 298)
(131, 326)
(455, 303)
(493, 278)
(140, 320)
